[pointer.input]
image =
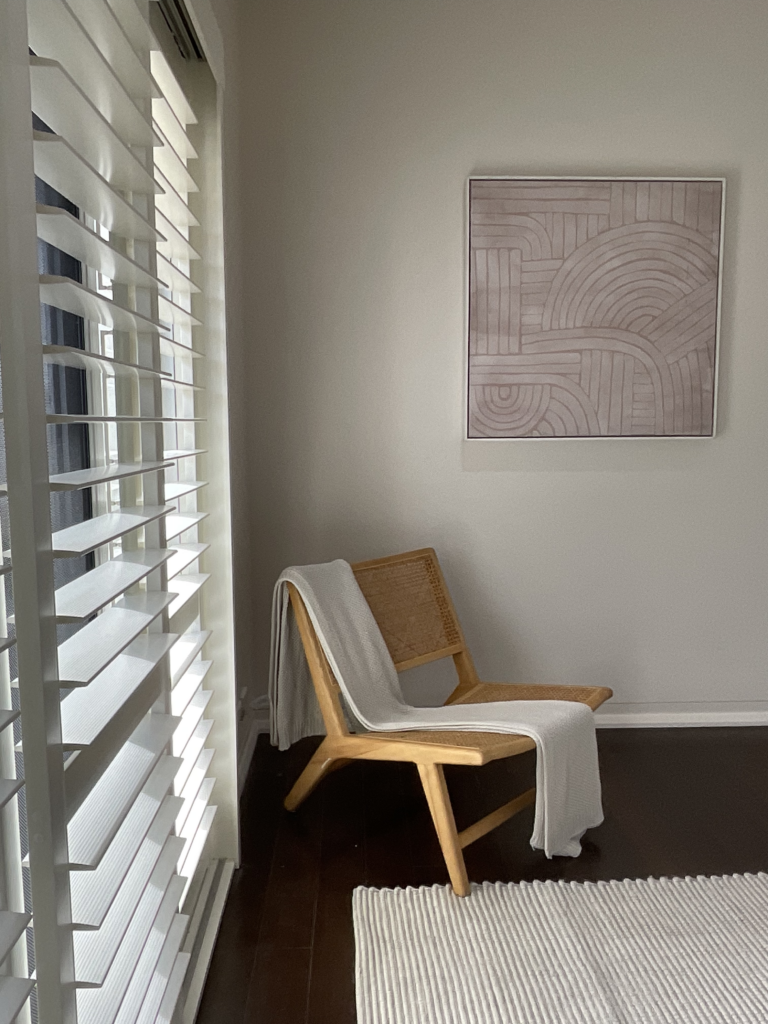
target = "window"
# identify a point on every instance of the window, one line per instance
(117, 726)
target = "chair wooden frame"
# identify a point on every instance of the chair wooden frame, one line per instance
(385, 582)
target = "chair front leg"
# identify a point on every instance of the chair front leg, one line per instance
(319, 766)
(436, 792)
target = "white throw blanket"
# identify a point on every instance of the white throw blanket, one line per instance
(567, 774)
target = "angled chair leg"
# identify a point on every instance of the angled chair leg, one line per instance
(436, 792)
(319, 766)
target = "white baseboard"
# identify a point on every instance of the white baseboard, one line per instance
(203, 950)
(679, 716)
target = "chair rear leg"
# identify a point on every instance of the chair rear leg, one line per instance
(319, 766)
(436, 792)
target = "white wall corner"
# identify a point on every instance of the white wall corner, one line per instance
(254, 722)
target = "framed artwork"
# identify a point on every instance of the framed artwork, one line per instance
(594, 307)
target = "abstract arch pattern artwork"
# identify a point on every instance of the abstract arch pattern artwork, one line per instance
(593, 307)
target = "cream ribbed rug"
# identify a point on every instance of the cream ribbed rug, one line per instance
(661, 951)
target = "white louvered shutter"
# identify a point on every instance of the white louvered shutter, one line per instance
(120, 700)
(16, 953)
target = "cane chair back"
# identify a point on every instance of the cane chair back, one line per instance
(413, 609)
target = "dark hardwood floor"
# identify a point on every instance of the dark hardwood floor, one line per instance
(677, 802)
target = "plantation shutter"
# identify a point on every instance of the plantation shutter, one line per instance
(112, 700)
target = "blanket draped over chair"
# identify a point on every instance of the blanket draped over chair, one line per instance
(567, 775)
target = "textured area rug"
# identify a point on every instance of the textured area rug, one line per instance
(661, 951)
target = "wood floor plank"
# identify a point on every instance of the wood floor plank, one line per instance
(296, 858)
(232, 964)
(288, 921)
(342, 856)
(227, 982)
(279, 983)
(332, 982)
(400, 838)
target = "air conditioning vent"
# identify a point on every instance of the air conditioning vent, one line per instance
(180, 25)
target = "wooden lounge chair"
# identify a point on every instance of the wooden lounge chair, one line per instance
(411, 604)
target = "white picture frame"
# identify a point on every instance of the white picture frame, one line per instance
(679, 249)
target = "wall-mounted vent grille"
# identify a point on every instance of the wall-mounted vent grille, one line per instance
(183, 31)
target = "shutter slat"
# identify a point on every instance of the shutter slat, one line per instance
(176, 523)
(165, 934)
(185, 555)
(95, 951)
(96, 821)
(85, 768)
(147, 850)
(174, 382)
(14, 992)
(192, 751)
(65, 108)
(62, 167)
(152, 815)
(186, 618)
(190, 721)
(172, 313)
(64, 355)
(94, 475)
(188, 685)
(107, 34)
(156, 910)
(163, 972)
(176, 141)
(89, 593)
(173, 169)
(7, 718)
(172, 992)
(193, 786)
(165, 122)
(175, 278)
(183, 453)
(87, 711)
(64, 293)
(184, 652)
(171, 347)
(170, 89)
(98, 643)
(175, 246)
(8, 789)
(175, 489)
(86, 418)
(136, 29)
(92, 533)
(196, 845)
(12, 926)
(55, 32)
(185, 588)
(171, 203)
(59, 228)
(195, 817)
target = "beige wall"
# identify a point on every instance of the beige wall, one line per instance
(637, 564)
